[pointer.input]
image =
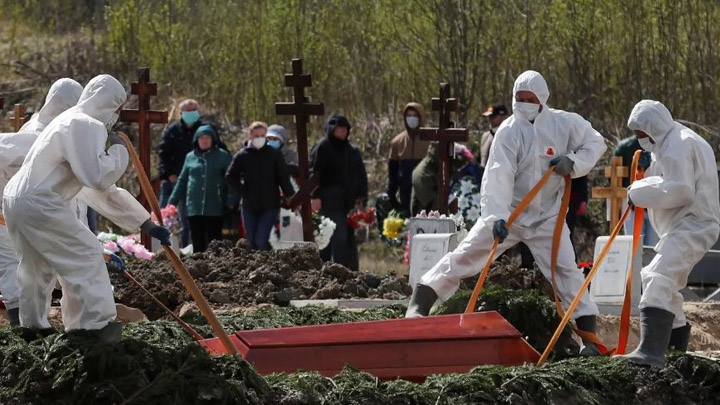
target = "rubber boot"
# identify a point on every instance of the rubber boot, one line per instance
(111, 333)
(421, 301)
(588, 323)
(655, 330)
(680, 338)
(14, 316)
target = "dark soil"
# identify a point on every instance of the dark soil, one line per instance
(236, 276)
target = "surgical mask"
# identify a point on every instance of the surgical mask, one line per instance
(190, 117)
(646, 144)
(274, 144)
(258, 143)
(529, 111)
(412, 122)
(114, 119)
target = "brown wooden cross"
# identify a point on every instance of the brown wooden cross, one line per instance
(301, 108)
(18, 119)
(144, 116)
(446, 136)
(616, 193)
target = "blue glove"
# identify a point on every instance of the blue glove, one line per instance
(500, 231)
(645, 160)
(563, 165)
(156, 231)
(114, 263)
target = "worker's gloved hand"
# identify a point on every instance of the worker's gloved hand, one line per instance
(645, 160)
(563, 165)
(115, 139)
(500, 231)
(156, 231)
(114, 263)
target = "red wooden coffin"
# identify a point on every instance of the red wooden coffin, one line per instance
(400, 348)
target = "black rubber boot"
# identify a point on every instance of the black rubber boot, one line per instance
(655, 330)
(421, 301)
(14, 316)
(588, 323)
(680, 338)
(112, 332)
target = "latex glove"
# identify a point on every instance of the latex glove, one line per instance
(645, 160)
(563, 165)
(500, 231)
(582, 209)
(156, 231)
(115, 139)
(114, 263)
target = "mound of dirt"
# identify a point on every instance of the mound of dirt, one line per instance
(237, 276)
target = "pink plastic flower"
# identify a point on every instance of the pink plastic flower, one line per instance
(111, 246)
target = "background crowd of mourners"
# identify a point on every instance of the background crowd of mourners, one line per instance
(208, 185)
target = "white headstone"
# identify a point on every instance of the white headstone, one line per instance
(608, 287)
(429, 226)
(427, 250)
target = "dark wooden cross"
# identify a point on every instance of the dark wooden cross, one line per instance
(18, 119)
(144, 116)
(302, 109)
(446, 136)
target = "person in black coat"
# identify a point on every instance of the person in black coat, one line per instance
(258, 172)
(343, 187)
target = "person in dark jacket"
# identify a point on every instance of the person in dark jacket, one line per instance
(406, 151)
(258, 172)
(201, 185)
(343, 187)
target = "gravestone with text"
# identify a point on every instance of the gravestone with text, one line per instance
(608, 287)
(427, 250)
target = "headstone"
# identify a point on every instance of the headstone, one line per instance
(608, 287)
(427, 250)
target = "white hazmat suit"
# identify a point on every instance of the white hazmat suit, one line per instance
(680, 191)
(69, 161)
(62, 95)
(519, 156)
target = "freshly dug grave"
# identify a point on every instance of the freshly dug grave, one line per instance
(236, 276)
(157, 363)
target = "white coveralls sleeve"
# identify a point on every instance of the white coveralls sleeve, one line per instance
(586, 146)
(496, 194)
(117, 205)
(675, 188)
(84, 149)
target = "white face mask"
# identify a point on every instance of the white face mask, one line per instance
(529, 111)
(412, 122)
(114, 119)
(646, 144)
(258, 143)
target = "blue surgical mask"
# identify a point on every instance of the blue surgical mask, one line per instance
(190, 117)
(275, 144)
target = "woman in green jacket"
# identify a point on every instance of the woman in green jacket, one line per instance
(202, 186)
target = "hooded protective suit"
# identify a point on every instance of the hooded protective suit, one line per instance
(519, 156)
(680, 191)
(63, 94)
(69, 161)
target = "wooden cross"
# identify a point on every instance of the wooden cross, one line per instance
(616, 193)
(18, 119)
(144, 116)
(301, 108)
(446, 136)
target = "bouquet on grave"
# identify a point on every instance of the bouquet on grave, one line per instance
(323, 230)
(467, 192)
(129, 245)
(170, 218)
(358, 218)
(393, 225)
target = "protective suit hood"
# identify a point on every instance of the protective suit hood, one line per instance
(533, 81)
(653, 118)
(63, 94)
(102, 96)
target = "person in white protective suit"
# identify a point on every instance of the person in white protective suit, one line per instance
(526, 145)
(62, 95)
(69, 161)
(680, 191)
